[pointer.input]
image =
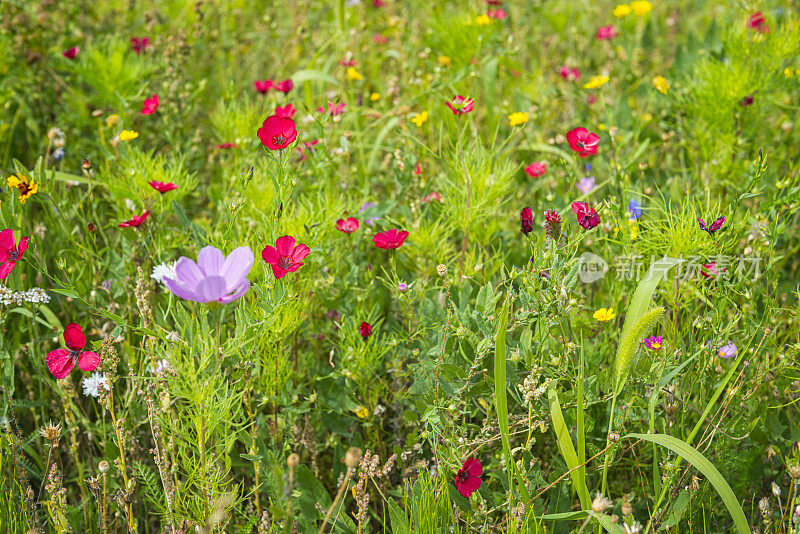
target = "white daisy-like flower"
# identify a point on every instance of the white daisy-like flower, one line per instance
(93, 382)
(165, 270)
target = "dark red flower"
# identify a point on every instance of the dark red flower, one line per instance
(285, 257)
(713, 227)
(61, 361)
(263, 86)
(150, 105)
(139, 44)
(133, 222)
(591, 98)
(746, 101)
(583, 142)
(497, 14)
(285, 112)
(586, 215)
(526, 220)
(709, 270)
(70, 53)
(227, 145)
(277, 132)
(365, 330)
(495, 2)
(552, 224)
(162, 187)
(459, 105)
(536, 169)
(285, 86)
(430, 197)
(605, 33)
(468, 478)
(378, 3)
(757, 22)
(10, 252)
(569, 74)
(348, 225)
(390, 239)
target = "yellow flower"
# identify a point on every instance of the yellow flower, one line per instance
(483, 20)
(26, 186)
(788, 72)
(374, 97)
(420, 118)
(661, 83)
(604, 314)
(601, 127)
(361, 412)
(641, 7)
(353, 74)
(517, 118)
(444, 60)
(112, 120)
(634, 227)
(127, 135)
(595, 82)
(621, 11)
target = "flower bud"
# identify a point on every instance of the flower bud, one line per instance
(293, 460)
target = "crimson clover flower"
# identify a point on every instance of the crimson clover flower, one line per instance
(214, 278)
(285, 257)
(526, 220)
(61, 361)
(468, 478)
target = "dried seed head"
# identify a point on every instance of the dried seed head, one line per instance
(794, 471)
(613, 437)
(103, 467)
(600, 504)
(51, 432)
(627, 508)
(353, 457)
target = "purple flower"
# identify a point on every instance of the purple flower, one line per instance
(402, 286)
(653, 342)
(728, 351)
(214, 278)
(365, 206)
(371, 220)
(586, 185)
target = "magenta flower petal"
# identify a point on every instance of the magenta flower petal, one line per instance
(59, 362)
(88, 361)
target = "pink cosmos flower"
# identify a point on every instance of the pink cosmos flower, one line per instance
(536, 169)
(61, 361)
(10, 252)
(263, 86)
(71, 53)
(285, 112)
(213, 277)
(468, 478)
(277, 132)
(587, 216)
(348, 225)
(150, 105)
(162, 187)
(365, 330)
(583, 142)
(134, 222)
(460, 105)
(497, 14)
(757, 22)
(569, 74)
(606, 33)
(285, 257)
(390, 239)
(139, 44)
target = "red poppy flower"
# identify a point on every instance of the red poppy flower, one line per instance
(285, 112)
(535, 169)
(587, 217)
(430, 197)
(285, 257)
(285, 86)
(757, 22)
(135, 221)
(10, 252)
(569, 74)
(138, 44)
(263, 86)
(709, 270)
(583, 142)
(379, 39)
(348, 225)
(390, 239)
(365, 330)
(713, 227)
(468, 478)
(70, 53)
(526, 220)
(150, 105)
(61, 361)
(460, 105)
(497, 14)
(418, 169)
(227, 145)
(333, 109)
(606, 33)
(162, 187)
(277, 133)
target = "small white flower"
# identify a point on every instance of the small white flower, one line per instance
(633, 528)
(130, 204)
(93, 382)
(165, 270)
(776, 490)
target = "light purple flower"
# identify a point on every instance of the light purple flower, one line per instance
(728, 351)
(365, 206)
(653, 342)
(586, 185)
(371, 220)
(214, 278)
(402, 286)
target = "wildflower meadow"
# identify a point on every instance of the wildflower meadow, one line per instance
(399, 266)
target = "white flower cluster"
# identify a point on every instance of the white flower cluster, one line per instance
(164, 270)
(32, 296)
(92, 384)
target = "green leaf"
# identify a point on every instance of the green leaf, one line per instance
(399, 523)
(313, 76)
(500, 399)
(702, 464)
(567, 448)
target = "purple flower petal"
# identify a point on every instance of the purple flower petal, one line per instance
(210, 260)
(188, 273)
(180, 290)
(236, 267)
(211, 289)
(241, 290)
